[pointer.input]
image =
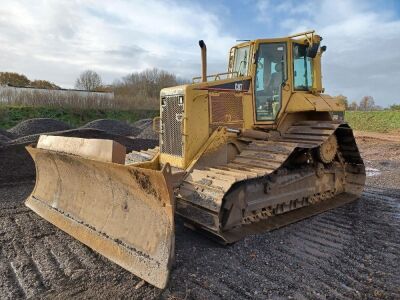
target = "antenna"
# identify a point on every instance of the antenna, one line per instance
(242, 40)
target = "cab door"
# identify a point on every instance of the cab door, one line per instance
(271, 74)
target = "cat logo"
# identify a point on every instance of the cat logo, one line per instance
(238, 86)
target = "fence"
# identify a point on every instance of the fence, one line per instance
(58, 98)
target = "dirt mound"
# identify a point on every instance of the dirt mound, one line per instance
(113, 126)
(38, 125)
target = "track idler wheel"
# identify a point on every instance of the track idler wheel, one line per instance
(327, 151)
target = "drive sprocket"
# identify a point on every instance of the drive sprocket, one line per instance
(327, 151)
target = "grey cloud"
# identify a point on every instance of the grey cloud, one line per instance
(126, 52)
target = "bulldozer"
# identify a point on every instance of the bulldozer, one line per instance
(241, 152)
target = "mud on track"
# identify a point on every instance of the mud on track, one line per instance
(349, 252)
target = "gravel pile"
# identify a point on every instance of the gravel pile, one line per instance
(38, 125)
(148, 133)
(5, 133)
(4, 140)
(131, 144)
(143, 123)
(146, 127)
(114, 127)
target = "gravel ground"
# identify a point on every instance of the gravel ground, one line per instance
(382, 159)
(346, 253)
(113, 127)
(38, 125)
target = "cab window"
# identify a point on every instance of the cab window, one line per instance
(270, 75)
(241, 64)
(302, 68)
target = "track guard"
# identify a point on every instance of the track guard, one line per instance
(124, 212)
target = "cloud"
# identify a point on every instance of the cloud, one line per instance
(362, 39)
(56, 40)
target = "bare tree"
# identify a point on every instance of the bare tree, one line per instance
(89, 81)
(367, 103)
(343, 100)
(353, 105)
(142, 89)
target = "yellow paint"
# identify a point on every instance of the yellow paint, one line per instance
(218, 138)
(196, 118)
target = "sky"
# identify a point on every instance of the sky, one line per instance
(57, 40)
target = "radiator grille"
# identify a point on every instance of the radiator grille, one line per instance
(171, 125)
(226, 109)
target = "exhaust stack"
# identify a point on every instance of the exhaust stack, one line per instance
(203, 61)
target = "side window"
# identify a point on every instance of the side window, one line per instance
(260, 75)
(302, 68)
(271, 73)
(241, 60)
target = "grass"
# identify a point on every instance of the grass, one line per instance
(12, 115)
(376, 121)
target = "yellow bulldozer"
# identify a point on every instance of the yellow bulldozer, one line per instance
(241, 152)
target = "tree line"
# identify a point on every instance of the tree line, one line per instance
(366, 103)
(20, 80)
(138, 90)
(142, 89)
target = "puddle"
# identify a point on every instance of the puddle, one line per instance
(372, 172)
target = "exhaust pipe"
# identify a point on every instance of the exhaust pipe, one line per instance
(203, 61)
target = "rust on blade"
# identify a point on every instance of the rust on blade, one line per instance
(124, 212)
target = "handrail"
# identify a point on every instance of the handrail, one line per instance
(301, 33)
(216, 76)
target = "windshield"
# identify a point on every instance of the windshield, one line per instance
(302, 67)
(241, 60)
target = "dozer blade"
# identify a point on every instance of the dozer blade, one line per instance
(124, 212)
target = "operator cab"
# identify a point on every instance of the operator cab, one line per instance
(279, 68)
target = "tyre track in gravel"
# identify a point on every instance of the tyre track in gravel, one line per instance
(349, 252)
(343, 271)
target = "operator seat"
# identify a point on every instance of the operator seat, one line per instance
(276, 79)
